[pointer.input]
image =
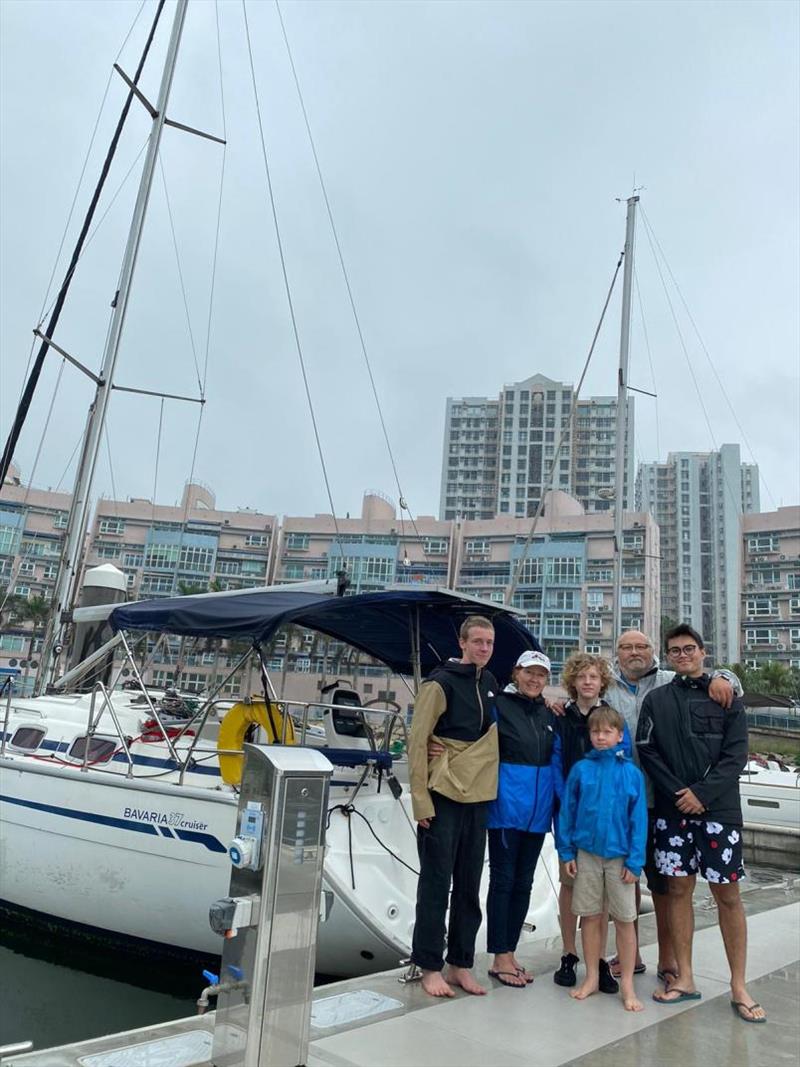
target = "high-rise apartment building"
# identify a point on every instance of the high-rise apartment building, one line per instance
(770, 598)
(697, 499)
(500, 454)
(33, 525)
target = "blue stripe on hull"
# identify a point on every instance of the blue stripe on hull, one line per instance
(210, 842)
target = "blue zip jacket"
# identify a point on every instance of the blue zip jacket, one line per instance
(604, 810)
(572, 744)
(530, 775)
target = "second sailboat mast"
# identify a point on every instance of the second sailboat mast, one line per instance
(622, 415)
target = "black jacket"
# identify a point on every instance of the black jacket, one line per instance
(526, 730)
(684, 738)
(470, 693)
(574, 733)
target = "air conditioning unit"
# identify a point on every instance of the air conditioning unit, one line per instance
(781, 647)
(781, 557)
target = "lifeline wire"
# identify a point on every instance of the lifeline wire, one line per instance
(289, 299)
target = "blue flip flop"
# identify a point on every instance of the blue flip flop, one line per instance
(684, 995)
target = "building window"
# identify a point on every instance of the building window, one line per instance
(761, 605)
(257, 539)
(294, 570)
(593, 650)
(297, 541)
(565, 570)
(434, 546)
(561, 626)
(761, 635)
(156, 555)
(195, 558)
(111, 526)
(762, 543)
(11, 643)
(22, 590)
(600, 574)
(477, 547)
(594, 624)
(594, 598)
(156, 583)
(60, 520)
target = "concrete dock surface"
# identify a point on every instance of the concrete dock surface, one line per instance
(537, 1025)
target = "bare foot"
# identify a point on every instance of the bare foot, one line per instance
(434, 984)
(632, 1003)
(463, 977)
(585, 990)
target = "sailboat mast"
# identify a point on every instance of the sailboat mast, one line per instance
(622, 413)
(65, 586)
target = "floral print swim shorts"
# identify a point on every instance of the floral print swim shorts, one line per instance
(698, 846)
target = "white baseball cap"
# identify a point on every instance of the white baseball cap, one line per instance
(533, 659)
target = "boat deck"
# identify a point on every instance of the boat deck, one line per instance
(538, 1025)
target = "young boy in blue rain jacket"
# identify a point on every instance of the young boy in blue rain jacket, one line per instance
(602, 839)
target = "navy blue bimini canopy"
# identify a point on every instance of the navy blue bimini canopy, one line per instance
(380, 624)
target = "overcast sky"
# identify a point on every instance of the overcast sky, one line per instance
(474, 154)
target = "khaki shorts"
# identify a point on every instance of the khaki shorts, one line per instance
(599, 885)
(563, 877)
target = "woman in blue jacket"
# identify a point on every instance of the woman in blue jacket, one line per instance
(530, 779)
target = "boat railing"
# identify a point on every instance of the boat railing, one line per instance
(94, 722)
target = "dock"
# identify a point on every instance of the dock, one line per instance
(378, 1022)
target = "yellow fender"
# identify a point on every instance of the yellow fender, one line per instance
(233, 728)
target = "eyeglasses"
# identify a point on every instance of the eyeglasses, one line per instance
(682, 650)
(633, 648)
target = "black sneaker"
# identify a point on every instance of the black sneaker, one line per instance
(608, 983)
(565, 975)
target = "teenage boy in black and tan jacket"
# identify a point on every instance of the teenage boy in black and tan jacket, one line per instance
(450, 795)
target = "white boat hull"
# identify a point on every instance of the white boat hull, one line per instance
(144, 861)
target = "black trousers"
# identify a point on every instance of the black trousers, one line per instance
(512, 860)
(451, 850)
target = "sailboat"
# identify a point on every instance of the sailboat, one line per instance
(117, 804)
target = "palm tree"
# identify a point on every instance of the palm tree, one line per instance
(35, 611)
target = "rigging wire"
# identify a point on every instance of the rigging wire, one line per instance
(202, 382)
(36, 370)
(93, 232)
(720, 383)
(570, 423)
(180, 274)
(290, 301)
(649, 357)
(219, 203)
(81, 176)
(735, 494)
(25, 556)
(401, 496)
(158, 455)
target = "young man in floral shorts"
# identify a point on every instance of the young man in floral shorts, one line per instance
(694, 751)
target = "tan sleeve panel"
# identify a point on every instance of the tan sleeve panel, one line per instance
(430, 705)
